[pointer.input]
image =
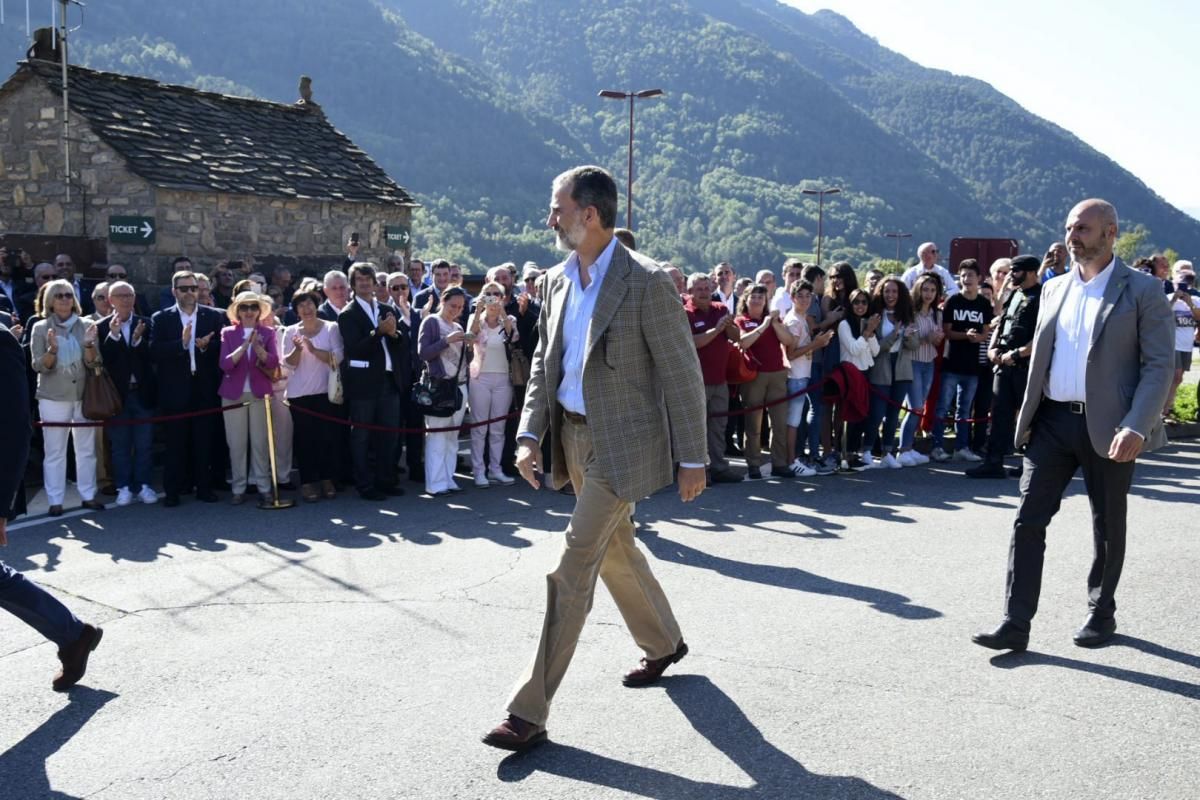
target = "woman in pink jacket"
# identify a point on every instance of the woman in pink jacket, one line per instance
(249, 360)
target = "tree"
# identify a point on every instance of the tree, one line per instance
(1129, 244)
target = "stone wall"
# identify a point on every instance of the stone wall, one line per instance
(308, 235)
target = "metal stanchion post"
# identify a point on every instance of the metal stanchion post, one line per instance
(274, 503)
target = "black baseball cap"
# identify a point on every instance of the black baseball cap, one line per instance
(1025, 264)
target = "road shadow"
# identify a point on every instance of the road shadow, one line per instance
(715, 716)
(783, 577)
(1146, 679)
(23, 766)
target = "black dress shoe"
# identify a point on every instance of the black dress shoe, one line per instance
(1006, 637)
(515, 734)
(986, 471)
(74, 658)
(171, 500)
(372, 494)
(1095, 631)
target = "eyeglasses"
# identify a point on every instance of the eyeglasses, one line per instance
(398, 287)
(63, 296)
(186, 288)
(117, 275)
(245, 307)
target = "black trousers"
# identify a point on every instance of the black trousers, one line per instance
(981, 407)
(414, 443)
(1059, 445)
(317, 442)
(382, 408)
(1008, 389)
(190, 444)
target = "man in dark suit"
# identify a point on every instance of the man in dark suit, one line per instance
(429, 299)
(20, 596)
(1098, 375)
(125, 348)
(336, 287)
(185, 346)
(375, 371)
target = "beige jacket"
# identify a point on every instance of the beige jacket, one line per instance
(59, 382)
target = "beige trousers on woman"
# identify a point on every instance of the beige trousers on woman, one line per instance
(248, 426)
(599, 542)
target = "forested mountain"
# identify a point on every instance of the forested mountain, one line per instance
(473, 105)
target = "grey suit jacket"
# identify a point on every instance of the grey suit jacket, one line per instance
(1130, 361)
(642, 387)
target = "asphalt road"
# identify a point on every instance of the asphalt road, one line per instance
(350, 650)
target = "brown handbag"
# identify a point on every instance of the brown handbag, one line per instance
(101, 400)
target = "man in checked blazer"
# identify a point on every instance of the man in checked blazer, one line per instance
(1099, 372)
(616, 381)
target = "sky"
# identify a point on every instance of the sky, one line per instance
(1122, 76)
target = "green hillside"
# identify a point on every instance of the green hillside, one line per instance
(473, 105)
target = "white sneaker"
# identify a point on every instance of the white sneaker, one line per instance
(869, 461)
(918, 458)
(481, 480)
(124, 496)
(890, 462)
(148, 495)
(966, 454)
(498, 476)
(799, 469)
(939, 455)
(905, 459)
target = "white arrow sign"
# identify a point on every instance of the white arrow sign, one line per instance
(147, 230)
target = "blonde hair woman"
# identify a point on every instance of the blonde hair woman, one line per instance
(490, 389)
(62, 349)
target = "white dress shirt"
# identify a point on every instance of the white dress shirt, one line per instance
(373, 313)
(949, 285)
(1073, 334)
(184, 320)
(577, 321)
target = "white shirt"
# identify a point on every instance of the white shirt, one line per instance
(373, 313)
(577, 321)
(949, 285)
(781, 301)
(1067, 380)
(185, 319)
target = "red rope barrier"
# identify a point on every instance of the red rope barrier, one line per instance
(112, 423)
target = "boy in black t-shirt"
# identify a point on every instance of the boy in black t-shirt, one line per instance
(966, 319)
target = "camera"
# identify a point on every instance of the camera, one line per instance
(490, 300)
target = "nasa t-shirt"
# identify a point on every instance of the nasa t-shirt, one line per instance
(963, 315)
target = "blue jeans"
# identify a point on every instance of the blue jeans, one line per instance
(37, 608)
(886, 412)
(816, 405)
(131, 446)
(963, 388)
(918, 392)
(796, 415)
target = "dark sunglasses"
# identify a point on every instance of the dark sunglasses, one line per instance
(187, 288)
(247, 307)
(63, 295)
(117, 275)
(398, 287)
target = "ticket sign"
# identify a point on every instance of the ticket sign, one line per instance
(397, 237)
(131, 230)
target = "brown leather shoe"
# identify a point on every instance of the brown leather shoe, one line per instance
(94, 505)
(74, 658)
(515, 734)
(54, 511)
(328, 490)
(651, 669)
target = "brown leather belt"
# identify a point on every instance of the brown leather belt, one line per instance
(572, 417)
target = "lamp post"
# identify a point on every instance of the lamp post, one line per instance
(613, 94)
(898, 236)
(820, 193)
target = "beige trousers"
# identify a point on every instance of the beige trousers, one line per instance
(599, 541)
(248, 426)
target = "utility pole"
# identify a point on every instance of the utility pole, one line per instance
(898, 236)
(613, 94)
(820, 193)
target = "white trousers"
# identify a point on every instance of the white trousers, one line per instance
(441, 452)
(54, 467)
(491, 395)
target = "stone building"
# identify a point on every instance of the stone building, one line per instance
(220, 177)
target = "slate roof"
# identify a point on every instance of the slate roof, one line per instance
(177, 137)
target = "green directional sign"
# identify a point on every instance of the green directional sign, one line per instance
(397, 237)
(131, 230)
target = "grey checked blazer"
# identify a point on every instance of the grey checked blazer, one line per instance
(1130, 361)
(642, 387)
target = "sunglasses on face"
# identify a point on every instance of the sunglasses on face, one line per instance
(63, 296)
(399, 287)
(116, 275)
(246, 309)
(186, 288)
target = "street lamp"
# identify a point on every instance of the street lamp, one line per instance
(898, 236)
(613, 94)
(820, 193)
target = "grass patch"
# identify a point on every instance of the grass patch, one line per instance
(1185, 402)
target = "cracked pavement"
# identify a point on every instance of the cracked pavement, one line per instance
(349, 650)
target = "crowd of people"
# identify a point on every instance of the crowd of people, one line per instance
(811, 373)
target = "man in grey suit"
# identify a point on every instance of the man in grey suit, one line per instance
(616, 381)
(1098, 375)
